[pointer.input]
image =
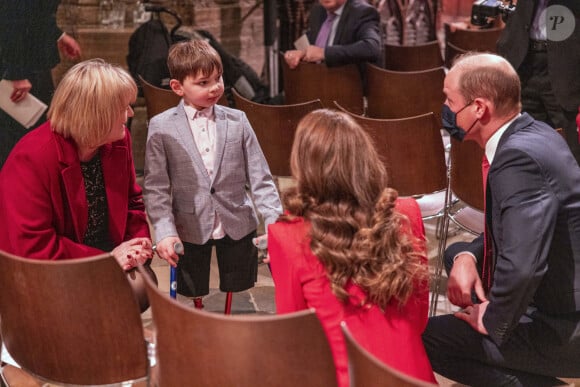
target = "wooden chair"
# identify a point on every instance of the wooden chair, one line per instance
(157, 99)
(311, 81)
(365, 370)
(275, 126)
(72, 321)
(452, 52)
(464, 202)
(472, 39)
(399, 94)
(413, 58)
(200, 348)
(413, 153)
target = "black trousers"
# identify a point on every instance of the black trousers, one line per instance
(539, 101)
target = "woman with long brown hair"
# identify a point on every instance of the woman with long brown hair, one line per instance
(349, 248)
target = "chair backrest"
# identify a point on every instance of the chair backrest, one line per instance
(275, 126)
(310, 81)
(365, 370)
(412, 150)
(72, 321)
(157, 100)
(399, 94)
(200, 348)
(473, 39)
(451, 52)
(413, 58)
(466, 180)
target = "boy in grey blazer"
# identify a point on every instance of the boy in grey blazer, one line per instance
(202, 162)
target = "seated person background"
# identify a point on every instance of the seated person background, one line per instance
(68, 188)
(354, 36)
(350, 249)
(525, 330)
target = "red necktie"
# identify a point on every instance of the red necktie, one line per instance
(324, 33)
(487, 266)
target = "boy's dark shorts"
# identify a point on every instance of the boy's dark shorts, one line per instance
(237, 263)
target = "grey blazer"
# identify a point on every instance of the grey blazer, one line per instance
(181, 198)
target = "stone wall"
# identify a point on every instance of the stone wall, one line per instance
(236, 24)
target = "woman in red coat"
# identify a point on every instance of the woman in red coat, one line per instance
(68, 188)
(350, 249)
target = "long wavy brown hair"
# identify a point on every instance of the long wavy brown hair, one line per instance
(342, 191)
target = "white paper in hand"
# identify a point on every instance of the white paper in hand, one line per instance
(302, 43)
(26, 112)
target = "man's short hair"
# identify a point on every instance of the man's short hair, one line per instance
(489, 76)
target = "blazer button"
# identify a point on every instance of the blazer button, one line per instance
(212, 190)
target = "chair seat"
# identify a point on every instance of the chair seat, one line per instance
(469, 219)
(432, 205)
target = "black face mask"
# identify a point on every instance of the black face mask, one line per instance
(450, 122)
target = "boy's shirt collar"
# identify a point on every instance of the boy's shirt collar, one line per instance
(192, 113)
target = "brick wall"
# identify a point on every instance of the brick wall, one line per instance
(222, 18)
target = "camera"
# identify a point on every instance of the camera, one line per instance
(484, 10)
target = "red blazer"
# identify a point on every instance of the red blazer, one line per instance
(393, 335)
(43, 207)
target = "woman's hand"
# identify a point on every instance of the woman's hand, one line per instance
(133, 252)
(165, 248)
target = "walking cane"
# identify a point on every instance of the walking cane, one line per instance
(178, 247)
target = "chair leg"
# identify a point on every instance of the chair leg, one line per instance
(228, 308)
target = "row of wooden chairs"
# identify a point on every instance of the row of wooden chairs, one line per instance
(428, 55)
(76, 322)
(208, 349)
(414, 156)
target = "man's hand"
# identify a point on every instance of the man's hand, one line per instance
(473, 315)
(314, 54)
(464, 279)
(293, 58)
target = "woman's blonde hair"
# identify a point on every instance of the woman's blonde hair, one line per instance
(89, 100)
(355, 230)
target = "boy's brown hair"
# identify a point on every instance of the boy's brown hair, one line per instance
(192, 57)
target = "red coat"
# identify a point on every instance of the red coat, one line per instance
(43, 207)
(394, 336)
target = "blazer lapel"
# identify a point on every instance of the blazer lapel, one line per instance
(186, 138)
(73, 185)
(221, 134)
(341, 23)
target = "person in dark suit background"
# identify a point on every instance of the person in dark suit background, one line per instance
(525, 328)
(30, 41)
(546, 54)
(355, 35)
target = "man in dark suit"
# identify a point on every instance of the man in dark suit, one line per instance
(354, 35)
(30, 41)
(525, 328)
(542, 42)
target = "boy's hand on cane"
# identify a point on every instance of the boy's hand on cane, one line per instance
(166, 250)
